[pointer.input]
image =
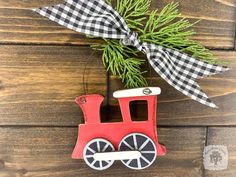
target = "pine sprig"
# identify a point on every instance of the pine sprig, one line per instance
(168, 29)
(132, 75)
(134, 12)
(171, 30)
(122, 61)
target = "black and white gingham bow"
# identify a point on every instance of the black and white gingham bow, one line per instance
(95, 17)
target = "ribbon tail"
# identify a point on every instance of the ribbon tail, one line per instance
(199, 68)
(90, 17)
(181, 71)
(51, 13)
(211, 69)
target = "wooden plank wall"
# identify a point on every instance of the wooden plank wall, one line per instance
(43, 67)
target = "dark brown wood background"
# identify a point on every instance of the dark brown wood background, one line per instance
(41, 72)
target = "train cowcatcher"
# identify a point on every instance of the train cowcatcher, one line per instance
(135, 143)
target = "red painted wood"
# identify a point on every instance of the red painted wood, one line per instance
(114, 132)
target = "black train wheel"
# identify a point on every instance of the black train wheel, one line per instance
(94, 146)
(141, 143)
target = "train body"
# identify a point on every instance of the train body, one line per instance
(94, 137)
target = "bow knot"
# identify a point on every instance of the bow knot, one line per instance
(128, 40)
(131, 39)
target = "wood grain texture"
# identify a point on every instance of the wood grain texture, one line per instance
(41, 152)
(38, 84)
(217, 26)
(18, 24)
(223, 136)
(176, 109)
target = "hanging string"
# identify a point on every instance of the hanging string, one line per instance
(84, 78)
(150, 76)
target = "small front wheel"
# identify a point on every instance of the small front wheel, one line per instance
(143, 144)
(95, 146)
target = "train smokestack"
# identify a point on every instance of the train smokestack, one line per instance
(90, 105)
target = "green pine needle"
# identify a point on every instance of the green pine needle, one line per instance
(171, 30)
(134, 12)
(168, 29)
(117, 58)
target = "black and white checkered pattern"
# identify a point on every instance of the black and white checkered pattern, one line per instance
(95, 17)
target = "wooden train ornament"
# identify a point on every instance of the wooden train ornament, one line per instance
(135, 143)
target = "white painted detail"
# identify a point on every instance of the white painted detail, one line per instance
(145, 91)
(120, 155)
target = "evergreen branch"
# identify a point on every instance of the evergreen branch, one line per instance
(116, 58)
(171, 30)
(132, 75)
(134, 12)
(167, 29)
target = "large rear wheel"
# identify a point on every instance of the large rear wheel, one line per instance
(95, 146)
(143, 144)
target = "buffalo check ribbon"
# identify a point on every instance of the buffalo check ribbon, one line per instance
(96, 18)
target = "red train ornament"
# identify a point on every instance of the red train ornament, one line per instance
(135, 143)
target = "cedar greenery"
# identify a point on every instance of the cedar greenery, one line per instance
(168, 29)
